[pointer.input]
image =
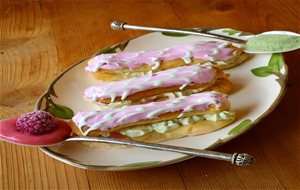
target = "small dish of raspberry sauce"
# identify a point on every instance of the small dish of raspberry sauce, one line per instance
(38, 128)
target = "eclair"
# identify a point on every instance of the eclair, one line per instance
(171, 83)
(158, 121)
(118, 66)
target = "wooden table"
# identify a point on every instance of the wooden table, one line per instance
(40, 38)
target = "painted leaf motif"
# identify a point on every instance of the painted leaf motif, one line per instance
(178, 35)
(60, 111)
(123, 45)
(106, 50)
(231, 31)
(141, 164)
(245, 34)
(276, 61)
(52, 92)
(263, 71)
(173, 34)
(241, 127)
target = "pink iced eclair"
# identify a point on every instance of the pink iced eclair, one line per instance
(158, 121)
(171, 83)
(118, 66)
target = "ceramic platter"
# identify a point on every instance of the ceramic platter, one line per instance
(259, 84)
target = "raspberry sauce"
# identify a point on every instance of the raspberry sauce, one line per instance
(9, 133)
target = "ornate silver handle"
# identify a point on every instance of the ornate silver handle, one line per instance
(240, 159)
(119, 25)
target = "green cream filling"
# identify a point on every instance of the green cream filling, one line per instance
(135, 74)
(142, 73)
(175, 94)
(114, 104)
(169, 125)
(167, 95)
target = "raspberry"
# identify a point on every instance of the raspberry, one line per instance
(36, 123)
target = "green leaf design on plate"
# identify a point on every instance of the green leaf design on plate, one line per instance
(174, 34)
(60, 111)
(245, 34)
(107, 50)
(241, 127)
(123, 45)
(52, 92)
(230, 31)
(141, 164)
(178, 35)
(276, 62)
(263, 71)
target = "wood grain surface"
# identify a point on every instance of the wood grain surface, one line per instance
(40, 38)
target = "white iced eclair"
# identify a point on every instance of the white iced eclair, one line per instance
(118, 66)
(160, 121)
(171, 83)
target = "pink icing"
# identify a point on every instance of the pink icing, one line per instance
(210, 51)
(9, 133)
(106, 119)
(173, 77)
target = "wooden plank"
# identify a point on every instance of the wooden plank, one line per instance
(39, 39)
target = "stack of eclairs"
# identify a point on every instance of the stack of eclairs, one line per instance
(160, 95)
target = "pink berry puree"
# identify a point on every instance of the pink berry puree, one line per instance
(9, 133)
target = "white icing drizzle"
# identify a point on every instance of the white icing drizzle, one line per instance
(178, 94)
(189, 108)
(120, 121)
(216, 51)
(113, 97)
(171, 105)
(108, 116)
(125, 94)
(180, 115)
(200, 50)
(162, 52)
(182, 86)
(178, 100)
(82, 121)
(171, 75)
(155, 113)
(157, 83)
(194, 73)
(140, 109)
(139, 53)
(210, 58)
(187, 80)
(94, 97)
(107, 119)
(148, 79)
(181, 76)
(156, 63)
(161, 110)
(223, 45)
(188, 57)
